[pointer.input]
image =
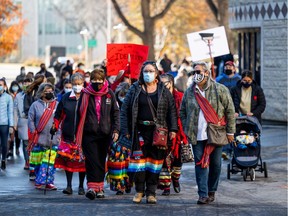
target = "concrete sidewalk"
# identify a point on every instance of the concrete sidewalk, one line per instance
(264, 196)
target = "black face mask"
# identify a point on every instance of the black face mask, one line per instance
(246, 85)
(228, 72)
(49, 95)
(97, 86)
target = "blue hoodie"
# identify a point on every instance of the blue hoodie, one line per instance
(229, 82)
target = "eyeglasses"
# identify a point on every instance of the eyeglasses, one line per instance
(97, 82)
(244, 81)
(166, 83)
(149, 71)
(197, 72)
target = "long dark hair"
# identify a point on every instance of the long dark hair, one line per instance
(153, 63)
(12, 84)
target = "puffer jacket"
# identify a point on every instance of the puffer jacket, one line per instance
(34, 115)
(19, 116)
(258, 101)
(189, 111)
(6, 110)
(166, 111)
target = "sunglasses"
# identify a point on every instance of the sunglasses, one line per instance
(196, 72)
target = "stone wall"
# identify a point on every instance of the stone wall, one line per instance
(274, 68)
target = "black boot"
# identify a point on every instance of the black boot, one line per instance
(3, 164)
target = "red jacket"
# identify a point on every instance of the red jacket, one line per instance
(180, 136)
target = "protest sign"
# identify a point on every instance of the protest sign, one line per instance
(118, 54)
(199, 48)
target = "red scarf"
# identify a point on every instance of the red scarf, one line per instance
(180, 136)
(83, 110)
(41, 125)
(211, 117)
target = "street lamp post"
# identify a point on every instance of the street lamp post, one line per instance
(85, 34)
(120, 30)
(208, 38)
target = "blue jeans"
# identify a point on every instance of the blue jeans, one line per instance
(4, 133)
(207, 178)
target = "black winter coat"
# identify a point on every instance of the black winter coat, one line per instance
(66, 112)
(109, 119)
(258, 101)
(166, 111)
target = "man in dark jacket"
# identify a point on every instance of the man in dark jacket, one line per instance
(43, 71)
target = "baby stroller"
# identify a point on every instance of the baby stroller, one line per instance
(247, 149)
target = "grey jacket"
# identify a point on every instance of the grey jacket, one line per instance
(189, 111)
(35, 112)
(20, 120)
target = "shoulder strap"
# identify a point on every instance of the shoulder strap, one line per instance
(151, 106)
(207, 109)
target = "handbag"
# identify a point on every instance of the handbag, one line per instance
(160, 134)
(186, 153)
(217, 135)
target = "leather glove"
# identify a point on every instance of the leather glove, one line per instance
(53, 130)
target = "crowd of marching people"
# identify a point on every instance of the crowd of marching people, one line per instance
(131, 132)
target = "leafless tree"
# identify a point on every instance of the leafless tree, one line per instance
(148, 33)
(220, 11)
(84, 14)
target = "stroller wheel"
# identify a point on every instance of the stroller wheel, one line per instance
(245, 174)
(252, 174)
(265, 169)
(228, 171)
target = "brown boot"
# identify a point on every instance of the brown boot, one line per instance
(211, 196)
(151, 199)
(138, 197)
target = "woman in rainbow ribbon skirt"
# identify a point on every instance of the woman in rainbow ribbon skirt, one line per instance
(118, 156)
(65, 118)
(40, 120)
(98, 126)
(137, 123)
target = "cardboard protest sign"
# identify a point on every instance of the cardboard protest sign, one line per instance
(117, 58)
(199, 48)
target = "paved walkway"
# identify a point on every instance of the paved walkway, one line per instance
(264, 196)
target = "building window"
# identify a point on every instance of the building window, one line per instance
(249, 48)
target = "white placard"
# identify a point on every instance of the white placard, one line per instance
(199, 48)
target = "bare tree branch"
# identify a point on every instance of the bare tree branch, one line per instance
(126, 22)
(213, 8)
(164, 11)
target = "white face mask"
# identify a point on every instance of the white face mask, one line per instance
(87, 79)
(67, 90)
(77, 88)
(148, 77)
(81, 67)
(198, 78)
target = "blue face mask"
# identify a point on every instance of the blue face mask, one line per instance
(1, 88)
(15, 88)
(148, 77)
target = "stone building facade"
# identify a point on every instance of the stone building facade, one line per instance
(261, 26)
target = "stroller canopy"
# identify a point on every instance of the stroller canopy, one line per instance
(250, 120)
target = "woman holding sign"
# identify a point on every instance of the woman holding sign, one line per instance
(147, 104)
